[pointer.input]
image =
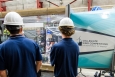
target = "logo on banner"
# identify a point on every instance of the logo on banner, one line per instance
(79, 42)
(93, 43)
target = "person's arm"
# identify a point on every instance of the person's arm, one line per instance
(2, 66)
(53, 55)
(38, 58)
(38, 65)
(3, 73)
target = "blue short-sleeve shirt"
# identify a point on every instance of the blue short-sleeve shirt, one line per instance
(18, 55)
(64, 56)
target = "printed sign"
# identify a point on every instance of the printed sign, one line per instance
(93, 41)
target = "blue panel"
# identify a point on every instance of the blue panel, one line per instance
(96, 60)
(101, 21)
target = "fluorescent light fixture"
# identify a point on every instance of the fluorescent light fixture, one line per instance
(105, 15)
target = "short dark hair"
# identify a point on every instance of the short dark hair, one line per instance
(13, 29)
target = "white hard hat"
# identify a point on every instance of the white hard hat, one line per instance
(13, 18)
(66, 22)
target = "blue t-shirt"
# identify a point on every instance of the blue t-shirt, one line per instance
(64, 55)
(18, 55)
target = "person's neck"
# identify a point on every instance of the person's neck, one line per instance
(16, 34)
(63, 36)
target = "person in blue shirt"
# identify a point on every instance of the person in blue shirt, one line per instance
(19, 56)
(64, 54)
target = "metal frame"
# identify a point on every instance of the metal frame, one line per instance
(67, 11)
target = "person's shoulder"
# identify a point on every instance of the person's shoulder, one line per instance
(59, 44)
(28, 39)
(5, 43)
(75, 42)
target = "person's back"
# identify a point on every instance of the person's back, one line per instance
(66, 59)
(20, 56)
(64, 55)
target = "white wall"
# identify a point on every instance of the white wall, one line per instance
(20, 5)
(32, 4)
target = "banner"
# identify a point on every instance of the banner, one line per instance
(95, 30)
(100, 21)
(95, 35)
(93, 41)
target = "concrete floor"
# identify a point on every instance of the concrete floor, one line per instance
(85, 72)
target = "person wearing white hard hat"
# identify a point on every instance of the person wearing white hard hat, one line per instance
(19, 55)
(64, 55)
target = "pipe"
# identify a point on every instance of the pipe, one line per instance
(38, 3)
(53, 3)
(89, 5)
(38, 12)
(3, 0)
(67, 10)
(72, 2)
(2, 8)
